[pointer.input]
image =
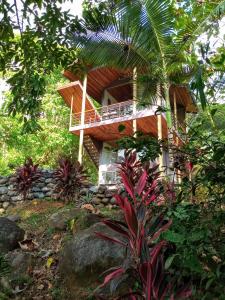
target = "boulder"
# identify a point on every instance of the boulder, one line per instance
(14, 218)
(4, 198)
(10, 235)
(20, 263)
(59, 220)
(85, 257)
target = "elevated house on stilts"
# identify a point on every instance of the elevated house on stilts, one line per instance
(106, 98)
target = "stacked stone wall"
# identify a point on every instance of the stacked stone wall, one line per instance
(44, 187)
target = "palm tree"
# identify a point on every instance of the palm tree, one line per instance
(142, 34)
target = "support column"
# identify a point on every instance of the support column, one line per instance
(175, 115)
(81, 140)
(134, 98)
(159, 126)
(71, 111)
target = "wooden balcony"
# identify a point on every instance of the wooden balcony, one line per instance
(103, 122)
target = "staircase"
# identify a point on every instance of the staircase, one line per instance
(92, 149)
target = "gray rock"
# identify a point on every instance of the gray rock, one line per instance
(5, 204)
(93, 189)
(102, 189)
(105, 200)
(83, 191)
(36, 189)
(4, 198)
(14, 218)
(109, 194)
(12, 193)
(2, 211)
(100, 195)
(12, 179)
(20, 263)
(10, 235)
(17, 198)
(60, 219)
(49, 180)
(86, 256)
(3, 180)
(38, 195)
(3, 190)
(45, 189)
(12, 187)
(51, 185)
(49, 194)
(96, 201)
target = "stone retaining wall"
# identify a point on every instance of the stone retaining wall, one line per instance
(99, 196)
(43, 188)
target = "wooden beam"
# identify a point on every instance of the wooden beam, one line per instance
(118, 83)
(81, 141)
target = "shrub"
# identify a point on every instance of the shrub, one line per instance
(70, 176)
(145, 261)
(26, 175)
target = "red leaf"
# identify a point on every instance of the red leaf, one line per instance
(130, 217)
(128, 185)
(162, 229)
(113, 275)
(141, 183)
(107, 238)
(149, 281)
(155, 251)
(116, 227)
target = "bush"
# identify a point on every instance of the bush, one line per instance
(70, 176)
(26, 175)
(144, 266)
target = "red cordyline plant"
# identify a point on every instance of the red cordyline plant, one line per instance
(139, 232)
(70, 176)
(26, 175)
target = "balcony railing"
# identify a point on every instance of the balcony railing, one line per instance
(107, 113)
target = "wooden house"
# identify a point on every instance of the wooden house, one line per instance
(106, 98)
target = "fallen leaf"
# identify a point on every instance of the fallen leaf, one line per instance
(49, 262)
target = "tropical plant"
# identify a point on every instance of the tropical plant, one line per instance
(197, 248)
(70, 176)
(147, 147)
(144, 266)
(151, 36)
(26, 175)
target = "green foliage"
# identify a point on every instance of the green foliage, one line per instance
(45, 146)
(198, 252)
(147, 147)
